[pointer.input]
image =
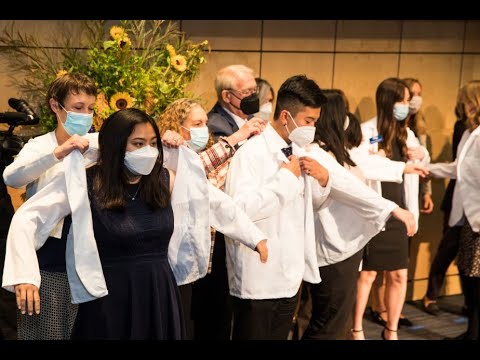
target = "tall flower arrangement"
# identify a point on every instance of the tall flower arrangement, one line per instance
(142, 63)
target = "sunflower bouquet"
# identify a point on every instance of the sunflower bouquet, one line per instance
(145, 64)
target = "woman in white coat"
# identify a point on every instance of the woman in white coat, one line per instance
(387, 251)
(72, 98)
(466, 205)
(352, 214)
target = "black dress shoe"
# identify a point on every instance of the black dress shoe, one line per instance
(432, 308)
(377, 318)
(404, 322)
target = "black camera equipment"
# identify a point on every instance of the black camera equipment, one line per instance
(10, 145)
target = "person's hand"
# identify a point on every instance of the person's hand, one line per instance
(293, 165)
(415, 153)
(28, 298)
(314, 169)
(420, 170)
(427, 207)
(172, 139)
(254, 126)
(74, 142)
(407, 218)
(262, 250)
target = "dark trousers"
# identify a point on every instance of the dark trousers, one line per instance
(446, 253)
(333, 299)
(185, 292)
(8, 304)
(211, 300)
(269, 319)
(471, 291)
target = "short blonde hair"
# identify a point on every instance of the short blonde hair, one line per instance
(228, 77)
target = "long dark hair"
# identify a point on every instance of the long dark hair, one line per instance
(389, 92)
(112, 176)
(353, 133)
(329, 133)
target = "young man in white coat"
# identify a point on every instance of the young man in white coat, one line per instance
(277, 191)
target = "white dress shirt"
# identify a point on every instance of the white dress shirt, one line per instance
(352, 214)
(280, 204)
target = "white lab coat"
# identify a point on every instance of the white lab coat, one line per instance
(34, 220)
(377, 168)
(280, 204)
(352, 214)
(36, 166)
(466, 169)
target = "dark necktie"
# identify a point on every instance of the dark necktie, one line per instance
(287, 151)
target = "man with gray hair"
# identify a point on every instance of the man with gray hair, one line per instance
(237, 98)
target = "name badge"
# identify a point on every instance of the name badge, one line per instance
(376, 139)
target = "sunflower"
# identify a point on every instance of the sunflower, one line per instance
(121, 100)
(124, 42)
(171, 51)
(61, 73)
(179, 63)
(117, 32)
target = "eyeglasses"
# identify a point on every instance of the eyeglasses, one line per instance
(246, 92)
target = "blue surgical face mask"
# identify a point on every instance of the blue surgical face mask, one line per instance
(400, 111)
(198, 137)
(77, 123)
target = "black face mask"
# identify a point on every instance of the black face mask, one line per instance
(249, 105)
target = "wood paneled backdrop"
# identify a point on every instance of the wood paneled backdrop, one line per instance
(353, 55)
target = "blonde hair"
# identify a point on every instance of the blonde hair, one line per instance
(175, 114)
(228, 77)
(470, 94)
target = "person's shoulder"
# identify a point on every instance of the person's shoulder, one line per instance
(369, 123)
(44, 140)
(214, 116)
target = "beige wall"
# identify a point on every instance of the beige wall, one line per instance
(354, 55)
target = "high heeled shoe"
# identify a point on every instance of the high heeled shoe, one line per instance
(356, 331)
(383, 332)
(377, 317)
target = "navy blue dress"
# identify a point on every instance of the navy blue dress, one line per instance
(143, 299)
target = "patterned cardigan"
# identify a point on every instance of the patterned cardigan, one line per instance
(216, 160)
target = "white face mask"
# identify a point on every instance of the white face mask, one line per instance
(265, 111)
(415, 104)
(301, 135)
(141, 161)
(198, 137)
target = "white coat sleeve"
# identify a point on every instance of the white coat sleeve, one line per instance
(258, 198)
(31, 225)
(376, 167)
(229, 219)
(470, 177)
(320, 193)
(443, 170)
(351, 191)
(31, 162)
